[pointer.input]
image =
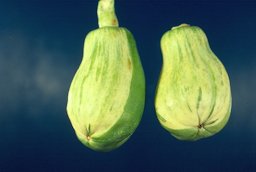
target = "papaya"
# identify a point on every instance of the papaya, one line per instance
(107, 94)
(193, 96)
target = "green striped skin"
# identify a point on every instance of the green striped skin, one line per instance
(107, 95)
(193, 98)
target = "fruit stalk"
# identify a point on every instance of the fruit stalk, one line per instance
(106, 14)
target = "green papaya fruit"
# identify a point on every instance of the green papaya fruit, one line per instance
(193, 98)
(107, 94)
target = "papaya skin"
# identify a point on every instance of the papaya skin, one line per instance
(107, 94)
(193, 96)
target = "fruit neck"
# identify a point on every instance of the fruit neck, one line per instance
(106, 13)
(182, 25)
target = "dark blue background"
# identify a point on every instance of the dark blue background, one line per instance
(41, 43)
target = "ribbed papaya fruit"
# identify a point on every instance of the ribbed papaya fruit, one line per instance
(193, 97)
(107, 94)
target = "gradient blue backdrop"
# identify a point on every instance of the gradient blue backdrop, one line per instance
(41, 44)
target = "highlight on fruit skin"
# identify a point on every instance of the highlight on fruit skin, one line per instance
(193, 97)
(107, 94)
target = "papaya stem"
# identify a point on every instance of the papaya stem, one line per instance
(106, 13)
